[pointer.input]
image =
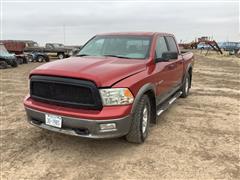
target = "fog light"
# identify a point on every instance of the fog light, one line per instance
(108, 127)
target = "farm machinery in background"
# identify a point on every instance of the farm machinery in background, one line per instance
(203, 43)
(206, 43)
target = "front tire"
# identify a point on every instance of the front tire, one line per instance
(186, 86)
(140, 123)
(3, 65)
(14, 63)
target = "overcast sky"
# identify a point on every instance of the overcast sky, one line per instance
(44, 22)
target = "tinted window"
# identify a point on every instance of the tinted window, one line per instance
(172, 44)
(161, 47)
(123, 46)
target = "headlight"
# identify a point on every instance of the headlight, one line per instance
(116, 96)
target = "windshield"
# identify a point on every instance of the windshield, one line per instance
(58, 45)
(121, 46)
(31, 44)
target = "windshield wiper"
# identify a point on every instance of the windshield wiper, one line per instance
(110, 55)
(81, 55)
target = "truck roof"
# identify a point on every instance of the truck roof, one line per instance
(16, 41)
(135, 33)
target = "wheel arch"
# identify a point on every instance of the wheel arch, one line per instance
(188, 70)
(149, 90)
(190, 74)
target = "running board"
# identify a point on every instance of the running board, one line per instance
(167, 103)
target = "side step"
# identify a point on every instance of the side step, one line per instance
(164, 106)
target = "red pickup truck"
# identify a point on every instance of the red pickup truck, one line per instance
(116, 86)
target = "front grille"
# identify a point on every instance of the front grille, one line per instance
(65, 92)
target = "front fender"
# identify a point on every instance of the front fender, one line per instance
(141, 92)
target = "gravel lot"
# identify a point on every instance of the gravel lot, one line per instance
(198, 137)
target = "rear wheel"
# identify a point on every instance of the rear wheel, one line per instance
(20, 60)
(14, 63)
(140, 123)
(238, 53)
(47, 59)
(186, 86)
(40, 59)
(61, 56)
(30, 58)
(25, 61)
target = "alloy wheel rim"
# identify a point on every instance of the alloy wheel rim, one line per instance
(144, 119)
(40, 59)
(187, 85)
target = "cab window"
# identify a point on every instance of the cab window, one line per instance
(171, 44)
(161, 47)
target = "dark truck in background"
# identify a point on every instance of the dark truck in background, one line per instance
(51, 49)
(115, 86)
(232, 47)
(30, 50)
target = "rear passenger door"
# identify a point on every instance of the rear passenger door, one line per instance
(176, 65)
(163, 77)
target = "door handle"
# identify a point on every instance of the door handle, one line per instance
(172, 66)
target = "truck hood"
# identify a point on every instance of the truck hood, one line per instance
(7, 56)
(104, 71)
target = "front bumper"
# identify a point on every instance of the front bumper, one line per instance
(81, 127)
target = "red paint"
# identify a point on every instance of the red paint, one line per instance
(113, 72)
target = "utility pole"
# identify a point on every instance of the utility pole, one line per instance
(64, 34)
(1, 20)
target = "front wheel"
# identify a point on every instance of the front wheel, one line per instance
(3, 65)
(186, 86)
(40, 59)
(140, 123)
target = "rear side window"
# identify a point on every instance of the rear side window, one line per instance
(161, 47)
(172, 44)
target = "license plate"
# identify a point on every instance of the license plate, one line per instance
(53, 120)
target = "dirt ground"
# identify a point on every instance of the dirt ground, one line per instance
(197, 138)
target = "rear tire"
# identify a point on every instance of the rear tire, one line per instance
(61, 56)
(238, 53)
(140, 123)
(3, 65)
(25, 61)
(29, 58)
(186, 86)
(47, 59)
(20, 60)
(40, 59)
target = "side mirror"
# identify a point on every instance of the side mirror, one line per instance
(166, 56)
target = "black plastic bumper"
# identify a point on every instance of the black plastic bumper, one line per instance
(81, 127)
